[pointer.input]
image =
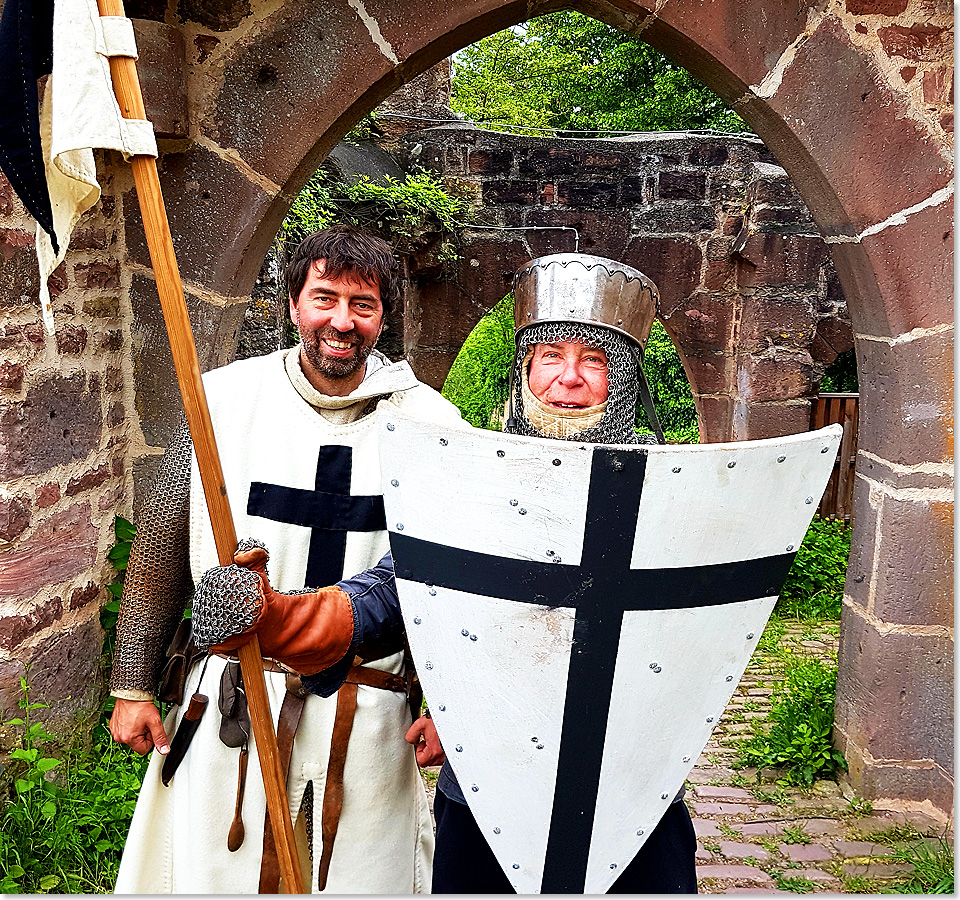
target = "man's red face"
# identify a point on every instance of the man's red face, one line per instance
(568, 375)
(339, 320)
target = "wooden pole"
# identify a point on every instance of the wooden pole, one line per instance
(126, 85)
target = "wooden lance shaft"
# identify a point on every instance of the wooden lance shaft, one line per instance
(126, 85)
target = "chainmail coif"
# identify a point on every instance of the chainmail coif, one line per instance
(616, 425)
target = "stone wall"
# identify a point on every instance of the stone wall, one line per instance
(748, 290)
(854, 99)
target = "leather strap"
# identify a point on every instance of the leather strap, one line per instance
(648, 406)
(377, 679)
(333, 789)
(290, 713)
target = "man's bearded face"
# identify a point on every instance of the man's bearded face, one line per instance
(339, 320)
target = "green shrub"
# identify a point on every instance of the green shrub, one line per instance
(932, 868)
(814, 585)
(670, 388)
(65, 833)
(800, 722)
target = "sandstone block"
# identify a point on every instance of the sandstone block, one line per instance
(11, 376)
(489, 162)
(779, 260)
(876, 7)
(917, 43)
(511, 191)
(591, 194)
(754, 421)
(71, 339)
(672, 263)
(682, 186)
(14, 517)
(162, 69)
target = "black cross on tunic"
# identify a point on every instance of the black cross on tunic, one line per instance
(330, 510)
(601, 589)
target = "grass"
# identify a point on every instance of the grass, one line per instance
(795, 884)
(932, 868)
(794, 834)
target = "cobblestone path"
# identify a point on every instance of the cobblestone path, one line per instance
(755, 836)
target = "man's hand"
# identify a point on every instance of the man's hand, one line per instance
(137, 723)
(423, 735)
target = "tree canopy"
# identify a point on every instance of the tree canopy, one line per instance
(567, 71)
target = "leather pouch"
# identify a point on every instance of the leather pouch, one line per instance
(234, 715)
(181, 655)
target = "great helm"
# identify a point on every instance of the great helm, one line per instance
(578, 287)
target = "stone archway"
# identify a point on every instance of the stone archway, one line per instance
(836, 89)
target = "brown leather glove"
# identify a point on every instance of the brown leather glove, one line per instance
(307, 632)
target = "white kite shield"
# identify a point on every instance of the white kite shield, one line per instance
(580, 615)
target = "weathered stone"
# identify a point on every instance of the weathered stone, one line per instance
(805, 852)
(731, 872)
(489, 162)
(111, 341)
(755, 421)
(719, 275)
(777, 322)
(833, 337)
(879, 184)
(906, 399)
(778, 260)
(706, 828)
(14, 517)
(937, 86)
(513, 191)
(861, 848)
(47, 495)
(739, 850)
(876, 7)
(550, 161)
(99, 275)
(682, 186)
(114, 380)
(11, 376)
(590, 194)
(57, 422)
(19, 272)
(704, 322)
(715, 418)
(102, 307)
(14, 630)
(71, 339)
(59, 548)
(209, 204)
(918, 43)
(707, 154)
(63, 674)
(90, 479)
(709, 373)
(161, 67)
(896, 702)
(81, 596)
(672, 264)
(724, 790)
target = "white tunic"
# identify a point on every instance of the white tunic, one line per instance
(177, 842)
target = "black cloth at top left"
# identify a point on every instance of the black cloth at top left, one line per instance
(26, 54)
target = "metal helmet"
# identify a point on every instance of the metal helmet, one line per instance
(578, 287)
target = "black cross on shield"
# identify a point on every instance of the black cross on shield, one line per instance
(601, 588)
(330, 510)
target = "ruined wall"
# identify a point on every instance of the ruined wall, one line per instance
(854, 99)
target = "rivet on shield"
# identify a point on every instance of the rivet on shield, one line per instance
(613, 865)
(390, 426)
(686, 759)
(429, 665)
(394, 482)
(808, 501)
(639, 832)
(496, 831)
(781, 458)
(534, 739)
(441, 707)
(399, 526)
(539, 746)
(473, 637)
(709, 718)
(556, 462)
(676, 469)
(459, 749)
(749, 635)
(516, 865)
(464, 632)
(417, 620)
(657, 670)
(551, 553)
(789, 547)
(514, 502)
(731, 464)
(501, 454)
(474, 788)
(664, 796)
(729, 678)
(653, 665)
(443, 442)
(825, 450)
(522, 512)
(432, 592)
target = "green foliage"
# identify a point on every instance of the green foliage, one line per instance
(477, 383)
(478, 379)
(568, 71)
(412, 214)
(670, 388)
(794, 834)
(841, 375)
(64, 833)
(932, 868)
(814, 585)
(796, 884)
(800, 719)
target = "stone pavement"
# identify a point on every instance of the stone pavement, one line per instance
(755, 836)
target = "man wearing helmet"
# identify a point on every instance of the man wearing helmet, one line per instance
(582, 323)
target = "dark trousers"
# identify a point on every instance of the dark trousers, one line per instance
(463, 862)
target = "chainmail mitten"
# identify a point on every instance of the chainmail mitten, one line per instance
(158, 580)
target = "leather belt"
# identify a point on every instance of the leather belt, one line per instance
(332, 807)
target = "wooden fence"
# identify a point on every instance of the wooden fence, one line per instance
(827, 409)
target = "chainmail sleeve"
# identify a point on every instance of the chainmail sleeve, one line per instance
(158, 579)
